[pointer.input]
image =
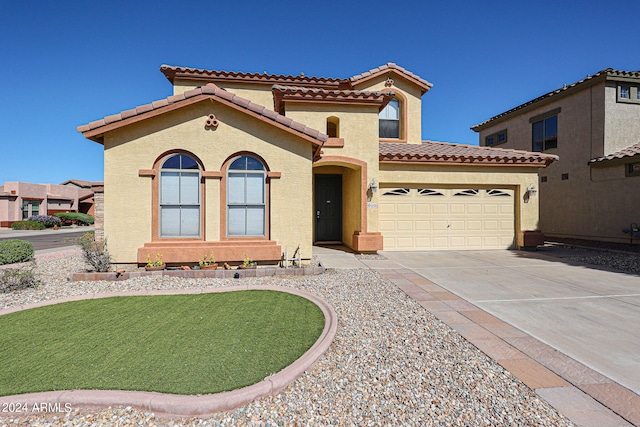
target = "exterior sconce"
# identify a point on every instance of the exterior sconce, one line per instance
(373, 186)
(532, 190)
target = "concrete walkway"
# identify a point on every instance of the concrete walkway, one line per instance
(568, 331)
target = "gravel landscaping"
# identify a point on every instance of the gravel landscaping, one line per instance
(391, 363)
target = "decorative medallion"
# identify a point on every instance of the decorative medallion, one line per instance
(212, 122)
(389, 82)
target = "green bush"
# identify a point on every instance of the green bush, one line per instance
(79, 218)
(12, 251)
(17, 279)
(28, 225)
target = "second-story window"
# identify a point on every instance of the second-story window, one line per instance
(389, 119)
(545, 134)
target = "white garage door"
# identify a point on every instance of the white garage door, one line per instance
(446, 218)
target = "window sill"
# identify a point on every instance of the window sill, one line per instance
(334, 142)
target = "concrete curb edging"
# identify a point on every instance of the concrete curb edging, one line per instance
(175, 405)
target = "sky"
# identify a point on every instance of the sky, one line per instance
(67, 63)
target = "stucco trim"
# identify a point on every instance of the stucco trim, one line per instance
(403, 116)
(146, 173)
(352, 164)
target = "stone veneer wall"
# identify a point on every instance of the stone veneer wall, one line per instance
(99, 216)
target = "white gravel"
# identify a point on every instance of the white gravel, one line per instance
(391, 363)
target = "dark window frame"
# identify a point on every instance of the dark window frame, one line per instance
(494, 139)
(629, 169)
(544, 131)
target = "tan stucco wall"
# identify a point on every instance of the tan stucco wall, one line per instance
(413, 98)
(127, 150)
(258, 93)
(622, 121)
(591, 204)
(516, 178)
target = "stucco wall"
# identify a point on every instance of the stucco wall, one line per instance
(258, 93)
(129, 225)
(622, 122)
(589, 203)
(410, 94)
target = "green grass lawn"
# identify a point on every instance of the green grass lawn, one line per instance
(185, 344)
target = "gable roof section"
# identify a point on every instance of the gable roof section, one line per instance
(606, 74)
(625, 154)
(447, 153)
(390, 66)
(96, 129)
(173, 72)
(304, 94)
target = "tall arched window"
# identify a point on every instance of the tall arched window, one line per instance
(246, 207)
(180, 197)
(389, 119)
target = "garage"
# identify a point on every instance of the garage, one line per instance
(426, 218)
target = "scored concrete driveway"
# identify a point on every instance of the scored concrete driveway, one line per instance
(590, 314)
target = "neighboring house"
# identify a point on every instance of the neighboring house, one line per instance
(246, 164)
(20, 200)
(86, 191)
(593, 125)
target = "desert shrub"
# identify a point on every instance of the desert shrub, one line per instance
(12, 251)
(27, 225)
(95, 254)
(17, 279)
(46, 220)
(79, 218)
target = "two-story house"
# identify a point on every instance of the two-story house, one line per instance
(593, 125)
(247, 164)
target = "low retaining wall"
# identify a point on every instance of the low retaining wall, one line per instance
(201, 274)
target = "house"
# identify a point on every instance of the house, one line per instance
(593, 125)
(86, 193)
(20, 200)
(251, 164)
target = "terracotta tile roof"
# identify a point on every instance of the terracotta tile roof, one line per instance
(631, 151)
(96, 129)
(80, 183)
(444, 152)
(390, 66)
(602, 74)
(297, 93)
(171, 72)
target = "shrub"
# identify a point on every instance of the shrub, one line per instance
(79, 218)
(27, 225)
(17, 279)
(95, 255)
(46, 220)
(12, 251)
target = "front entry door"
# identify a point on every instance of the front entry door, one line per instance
(328, 207)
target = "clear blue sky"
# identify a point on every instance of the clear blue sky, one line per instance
(64, 63)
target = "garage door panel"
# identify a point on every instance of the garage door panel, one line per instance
(472, 219)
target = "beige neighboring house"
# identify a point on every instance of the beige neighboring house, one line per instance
(20, 200)
(593, 125)
(248, 164)
(86, 194)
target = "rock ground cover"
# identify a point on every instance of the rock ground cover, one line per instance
(391, 363)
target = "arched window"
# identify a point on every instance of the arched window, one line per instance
(389, 119)
(333, 127)
(246, 207)
(180, 197)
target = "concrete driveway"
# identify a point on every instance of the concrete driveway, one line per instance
(590, 314)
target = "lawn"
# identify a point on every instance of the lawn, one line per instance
(184, 344)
